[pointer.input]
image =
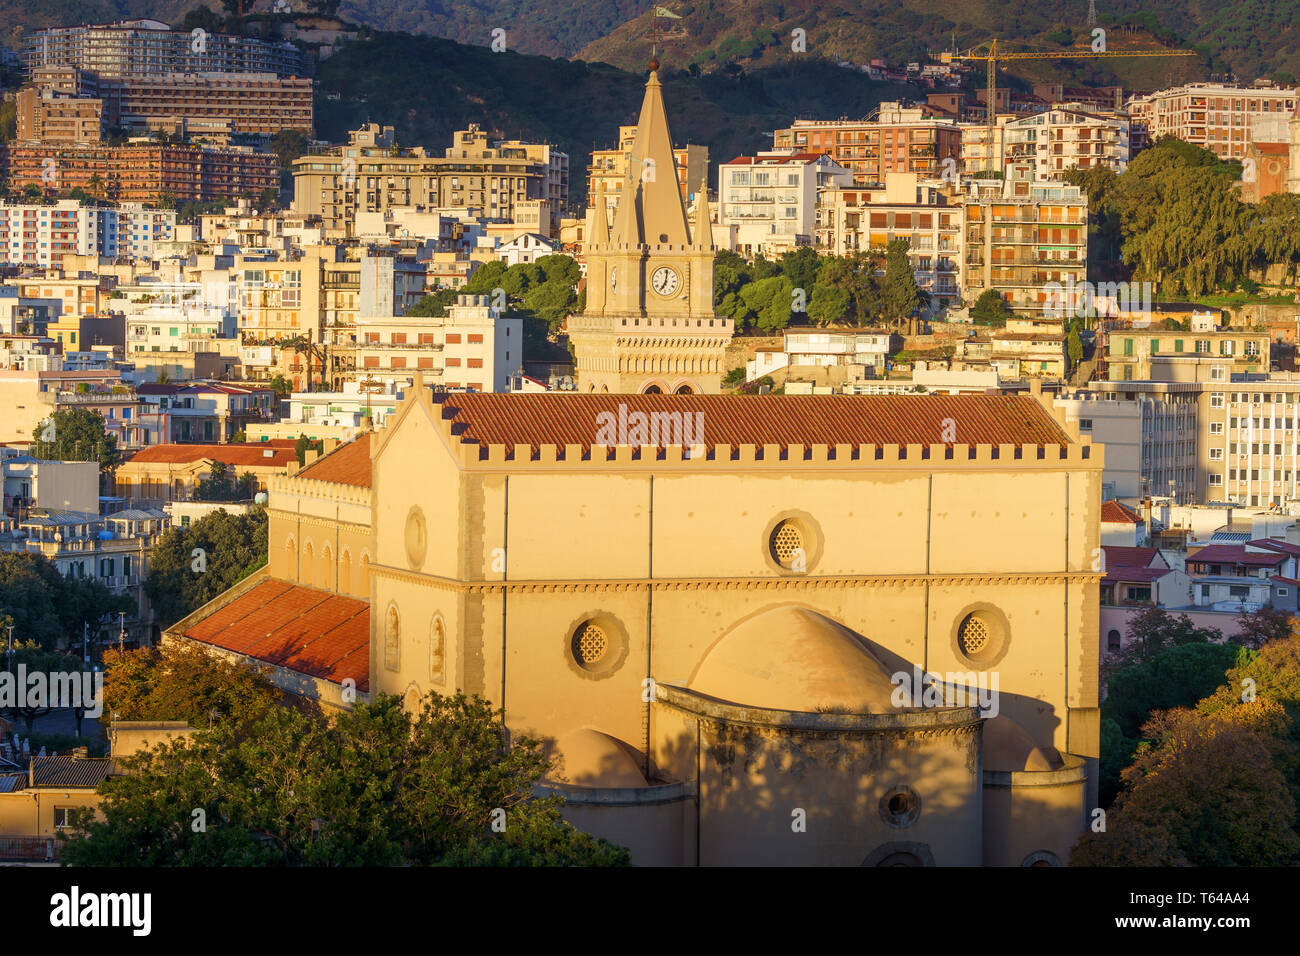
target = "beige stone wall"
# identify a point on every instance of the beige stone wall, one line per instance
(671, 556)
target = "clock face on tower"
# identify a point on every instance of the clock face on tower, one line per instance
(665, 281)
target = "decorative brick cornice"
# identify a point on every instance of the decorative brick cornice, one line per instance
(772, 582)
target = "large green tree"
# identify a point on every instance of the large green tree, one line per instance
(182, 681)
(374, 786)
(900, 296)
(192, 565)
(76, 434)
(48, 608)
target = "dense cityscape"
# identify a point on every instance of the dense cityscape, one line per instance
(393, 487)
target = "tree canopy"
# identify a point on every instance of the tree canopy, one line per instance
(48, 608)
(375, 786)
(75, 434)
(192, 565)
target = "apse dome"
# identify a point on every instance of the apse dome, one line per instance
(1008, 747)
(795, 659)
(589, 758)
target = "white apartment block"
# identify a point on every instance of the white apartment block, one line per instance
(1150, 434)
(1215, 116)
(1069, 136)
(473, 347)
(1251, 434)
(771, 199)
(37, 234)
(823, 348)
(175, 316)
(924, 212)
(1051, 142)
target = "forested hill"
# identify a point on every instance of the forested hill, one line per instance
(427, 88)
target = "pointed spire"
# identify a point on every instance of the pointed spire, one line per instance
(599, 230)
(650, 211)
(702, 233)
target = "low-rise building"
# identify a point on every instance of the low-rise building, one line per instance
(165, 473)
(474, 346)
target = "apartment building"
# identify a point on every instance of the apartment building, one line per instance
(1251, 436)
(609, 170)
(1021, 236)
(1214, 355)
(112, 549)
(248, 103)
(1061, 138)
(44, 117)
(1150, 430)
(134, 422)
(147, 47)
(141, 173)
(41, 234)
(857, 353)
(80, 293)
(895, 139)
(173, 317)
(473, 347)
(210, 411)
(371, 175)
(926, 213)
(1215, 116)
(771, 199)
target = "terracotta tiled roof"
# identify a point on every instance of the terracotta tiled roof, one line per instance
(314, 632)
(254, 453)
(346, 465)
(1277, 544)
(1124, 574)
(1119, 557)
(512, 419)
(1112, 512)
(1234, 554)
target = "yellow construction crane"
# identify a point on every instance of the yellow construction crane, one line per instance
(993, 57)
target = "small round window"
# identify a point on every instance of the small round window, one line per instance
(787, 546)
(900, 806)
(981, 637)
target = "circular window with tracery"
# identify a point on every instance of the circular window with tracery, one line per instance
(981, 636)
(590, 645)
(786, 545)
(596, 645)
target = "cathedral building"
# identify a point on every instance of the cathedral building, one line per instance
(649, 326)
(817, 630)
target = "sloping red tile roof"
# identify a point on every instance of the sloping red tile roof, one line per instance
(1235, 554)
(1112, 512)
(314, 632)
(346, 465)
(1120, 557)
(244, 455)
(561, 419)
(1276, 544)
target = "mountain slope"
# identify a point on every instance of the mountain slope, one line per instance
(427, 88)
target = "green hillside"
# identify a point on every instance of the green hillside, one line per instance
(427, 88)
